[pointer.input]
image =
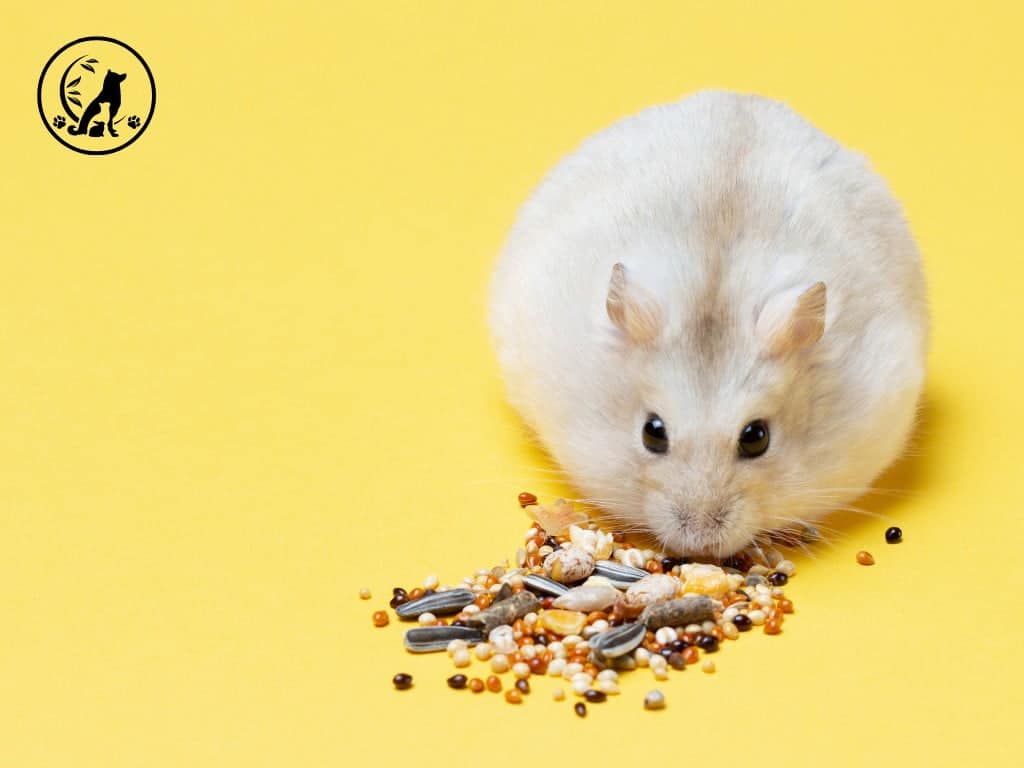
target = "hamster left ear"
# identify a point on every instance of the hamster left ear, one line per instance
(634, 311)
(791, 320)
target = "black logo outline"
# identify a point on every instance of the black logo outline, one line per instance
(136, 134)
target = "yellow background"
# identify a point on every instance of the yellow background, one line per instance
(244, 371)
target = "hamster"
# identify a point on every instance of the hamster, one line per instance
(715, 319)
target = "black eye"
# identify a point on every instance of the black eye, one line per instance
(655, 436)
(754, 439)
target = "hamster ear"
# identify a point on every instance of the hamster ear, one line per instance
(634, 311)
(791, 320)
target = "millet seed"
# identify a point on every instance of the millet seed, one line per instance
(654, 700)
(707, 643)
(380, 619)
(865, 558)
(458, 682)
(402, 681)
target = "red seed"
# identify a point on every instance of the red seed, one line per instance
(526, 499)
(865, 558)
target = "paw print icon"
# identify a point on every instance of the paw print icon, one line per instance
(134, 122)
(59, 122)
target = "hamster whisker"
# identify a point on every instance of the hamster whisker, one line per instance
(871, 490)
(808, 524)
(865, 512)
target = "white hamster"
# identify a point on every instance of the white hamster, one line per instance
(715, 319)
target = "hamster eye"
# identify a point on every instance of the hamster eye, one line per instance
(655, 435)
(754, 439)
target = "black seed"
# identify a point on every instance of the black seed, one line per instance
(580, 709)
(668, 563)
(523, 685)
(397, 591)
(666, 652)
(738, 562)
(678, 646)
(540, 639)
(457, 682)
(894, 535)
(676, 661)
(594, 697)
(742, 622)
(777, 579)
(402, 681)
(552, 542)
(707, 643)
(399, 599)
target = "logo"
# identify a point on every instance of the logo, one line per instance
(96, 95)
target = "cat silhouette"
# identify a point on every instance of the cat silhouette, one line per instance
(110, 94)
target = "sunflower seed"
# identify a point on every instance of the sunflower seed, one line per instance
(439, 604)
(618, 573)
(426, 639)
(618, 641)
(544, 585)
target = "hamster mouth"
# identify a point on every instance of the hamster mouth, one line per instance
(715, 539)
(685, 539)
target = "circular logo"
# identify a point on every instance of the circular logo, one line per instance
(96, 95)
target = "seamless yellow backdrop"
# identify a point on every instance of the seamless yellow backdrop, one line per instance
(245, 372)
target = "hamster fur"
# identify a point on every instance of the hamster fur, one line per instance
(713, 261)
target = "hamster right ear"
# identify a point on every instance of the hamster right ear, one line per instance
(792, 320)
(632, 309)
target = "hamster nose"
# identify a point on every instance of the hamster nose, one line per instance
(718, 516)
(692, 517)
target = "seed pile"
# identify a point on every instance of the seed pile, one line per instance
(584, 605)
